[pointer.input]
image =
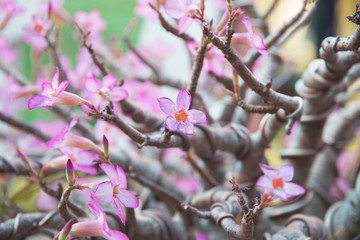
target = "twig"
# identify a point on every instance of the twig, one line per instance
(167, 196)
(197, 69)
(210, 180)
(270, 9)
(239, 193)
(141, 57)
(139, 116)
(24, 127)
(170, 28)
(269, 41)
(272, 97)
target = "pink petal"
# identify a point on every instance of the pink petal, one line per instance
(85, 169)
(104, 192)
(196, 116)
(186, 128)
(110, 171)
(280, 193)
(118, 94)
(183, 100)
(122, 177)
(47, 89)
(55, 79)
(92, 84)
(184, 24)
(114, 235)
(193, 46)
(258, 43)
(39, 101)
(62, 87)
(247, 23)
(293, 190)
(216, 66)
(119, 210)
(167, 106)
(171, 123)
(241, 38)
(127, 199)
(175, 12)
(109, 81)
(287, 172)
(264, 183)
(72, 124)
(269, 171)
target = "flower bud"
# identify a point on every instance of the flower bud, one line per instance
(70, 175)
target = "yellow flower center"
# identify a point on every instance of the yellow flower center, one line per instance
(181, 115)
(278, 183)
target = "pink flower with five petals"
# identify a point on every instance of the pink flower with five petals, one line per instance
(250, 38)
(180, 117)
(69, 139)
(54, 93)
(278, 182)
(115, 190)
(184, 11)
(100, 92)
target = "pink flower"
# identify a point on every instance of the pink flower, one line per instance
(115, 190)
(180, 117)
(77, 77)
(92, 22)
(68, 139)
(278, 182)
(36, 31)
(54, 93)
(57, 11)
(188, 185)
(81, 159)
(100, 92)
(143, 8)
(250, 38)
(144, 94)
(184, 10)
(214, 59)
(97, 227)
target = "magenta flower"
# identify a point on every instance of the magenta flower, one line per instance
(54, 93)
(180, 117)
(97, 227)
(115, 190)
(184, 11)
(68, 139)
(278, 182)
(250, 38)
(100, 92)
(214, 59)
